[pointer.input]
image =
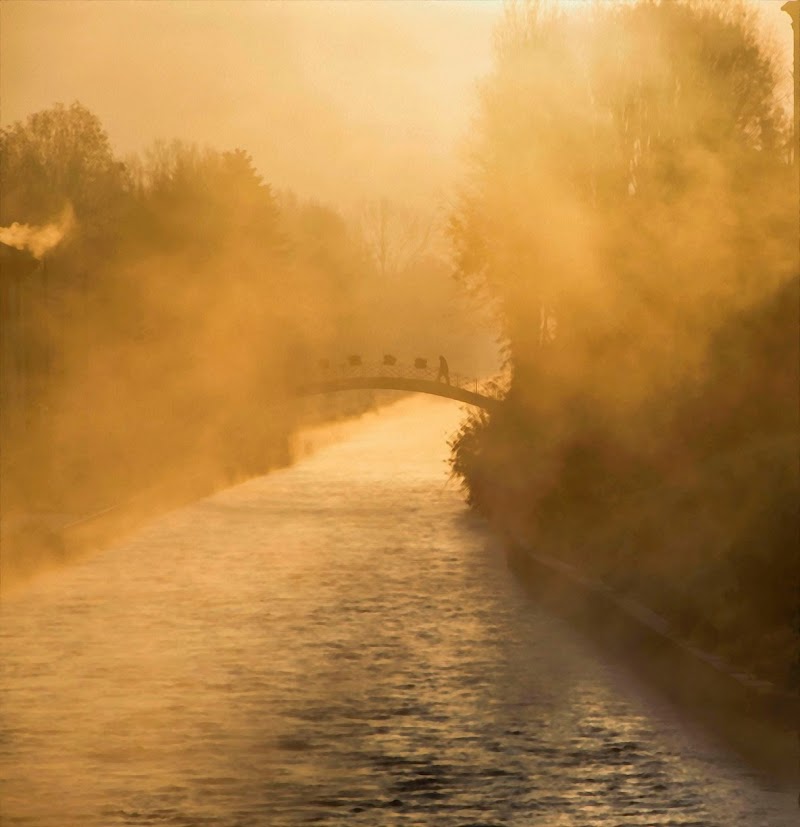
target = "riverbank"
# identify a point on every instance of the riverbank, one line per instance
(757, 719)
(35, 542)
(337, 642)
(698, 597)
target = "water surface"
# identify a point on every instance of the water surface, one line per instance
(338, 643)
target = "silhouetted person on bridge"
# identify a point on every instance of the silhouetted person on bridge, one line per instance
(444, 371)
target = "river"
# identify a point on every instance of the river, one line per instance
(336, 643)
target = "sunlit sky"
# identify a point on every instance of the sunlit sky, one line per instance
(337, 100)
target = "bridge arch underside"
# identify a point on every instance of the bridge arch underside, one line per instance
(400, 384)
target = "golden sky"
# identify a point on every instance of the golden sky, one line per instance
(330, 98)
(340, 100)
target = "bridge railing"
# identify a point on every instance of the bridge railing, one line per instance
(329, 371)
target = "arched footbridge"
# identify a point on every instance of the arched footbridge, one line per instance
(418, 377)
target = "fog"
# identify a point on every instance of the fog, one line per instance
(177, 275)
(38, 240)
(339, 102)
(209, 208)
(206, 204)
(287, 81)
(632, 205)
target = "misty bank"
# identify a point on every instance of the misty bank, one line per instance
(159, 311)
(631, 208)
(758, 719)
(35, 542)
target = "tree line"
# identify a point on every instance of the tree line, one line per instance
(630, 209)
(176, 302)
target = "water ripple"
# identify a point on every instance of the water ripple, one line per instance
(337, 643)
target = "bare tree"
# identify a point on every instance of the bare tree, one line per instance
(395, 236)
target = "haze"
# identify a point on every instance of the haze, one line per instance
(338, 101)
(245, 578)
(335, 100)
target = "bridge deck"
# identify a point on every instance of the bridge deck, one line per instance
(399, 383)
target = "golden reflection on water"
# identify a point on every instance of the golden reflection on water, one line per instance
(339, 641)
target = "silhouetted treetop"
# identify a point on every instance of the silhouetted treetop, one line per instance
(56, 157)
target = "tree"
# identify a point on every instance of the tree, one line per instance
(206, 199)
(57, 157)
(630, 179)
(396, 237)
(613, 181)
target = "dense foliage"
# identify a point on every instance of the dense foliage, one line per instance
(631, 208)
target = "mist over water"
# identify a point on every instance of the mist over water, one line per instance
(339, 642)
(225, 602)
